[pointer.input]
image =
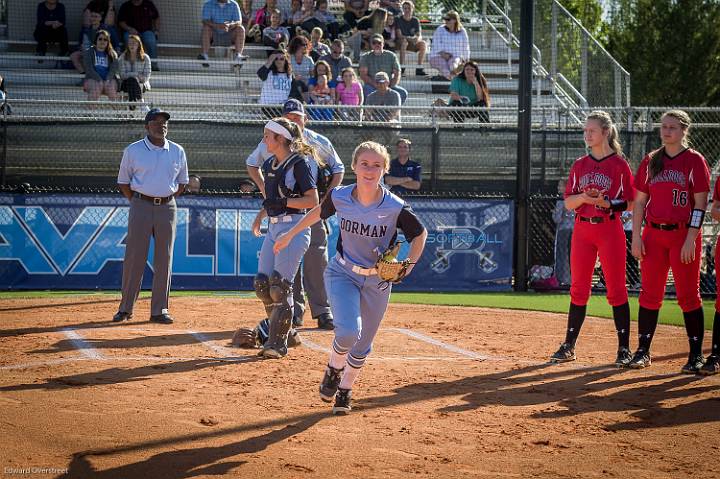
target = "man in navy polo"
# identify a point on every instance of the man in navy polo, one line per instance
(153, 171)
(405, 174)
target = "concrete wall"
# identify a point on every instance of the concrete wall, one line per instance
(179, 19)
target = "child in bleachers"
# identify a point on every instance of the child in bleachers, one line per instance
(275, 34)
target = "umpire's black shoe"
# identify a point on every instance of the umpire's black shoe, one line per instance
(711, 366)
(343, 400)
(694, 364)
(161, 318)
(121, 316)
(565, 354)
(624, 356)
(641, 359)
(325, 321)
(330, 382)
(297, 321)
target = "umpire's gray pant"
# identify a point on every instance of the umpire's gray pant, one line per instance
(313, 268)
(145, 220)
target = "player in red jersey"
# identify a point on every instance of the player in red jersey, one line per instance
(672, 186)
(712, 363)
(599, 189)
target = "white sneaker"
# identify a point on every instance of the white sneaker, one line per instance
(239, 59)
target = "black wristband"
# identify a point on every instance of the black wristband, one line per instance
(618, 205)
(696, 218)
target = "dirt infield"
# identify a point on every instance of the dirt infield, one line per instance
(448, 392)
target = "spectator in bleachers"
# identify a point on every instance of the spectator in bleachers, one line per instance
(86, 41)
(302, 64)
(141, 18)
(106, 8)
(389, 34)
(450, 46)
(246, 12)
(409, 36)
(329, 23)
(277, 78)
(135, 70)
(349, 92)
(262, 16)
(470, 88)
(319, 47)
(380, 60)
(101, 68)
(337, 60)
(366, 27)
(322, 68)
(275, 34)
(404, 175)
(355, 10)
(392, 6)
(383, 96)
(296, 15)
(321, 87)
(50, 27)
(222, 26)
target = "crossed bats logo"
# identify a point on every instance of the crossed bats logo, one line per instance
(463, 240)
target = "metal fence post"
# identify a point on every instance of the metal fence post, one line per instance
(3, 159)
(584, 65)
(553, 44)
(434, 157)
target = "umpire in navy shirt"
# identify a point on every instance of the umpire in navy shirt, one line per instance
(405, 174)
(153, 171)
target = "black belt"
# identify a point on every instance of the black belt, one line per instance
(596, 219)
(666, 226)
(152, 199)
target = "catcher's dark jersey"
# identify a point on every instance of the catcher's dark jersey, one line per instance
(366, 231)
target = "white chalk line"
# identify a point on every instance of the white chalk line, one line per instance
(83, 346)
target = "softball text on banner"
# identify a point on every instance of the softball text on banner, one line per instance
(78, 242)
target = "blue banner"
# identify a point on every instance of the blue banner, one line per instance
(77, 242)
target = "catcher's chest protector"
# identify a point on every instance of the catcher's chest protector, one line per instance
(365, 232)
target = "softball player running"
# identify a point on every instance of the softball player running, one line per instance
(316, 257)
(369, 218)
(672, 188)
(289, 191)
(712, 363)
(599, 189)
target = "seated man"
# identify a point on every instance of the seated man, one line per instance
(410, 36)
(141, 18)
(88, 35)
(404, 174)
(222, 26)
(380, 60)
(337, 60)
(383, 96)
(50, 27)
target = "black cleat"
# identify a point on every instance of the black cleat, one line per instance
(711, 366)
(121, 316)
(274, 351)
(297, 321)
(565, 354)
(694, 364)
(624, 356)
(343, 400)
(330, 383)
(325, 321)
(640, 360)
(161, 318)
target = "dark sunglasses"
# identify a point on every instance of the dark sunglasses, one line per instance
(102, 39)
(376, 42)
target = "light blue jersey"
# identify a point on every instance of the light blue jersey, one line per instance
(367, 231)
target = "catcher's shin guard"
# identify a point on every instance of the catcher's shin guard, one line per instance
(261, 283)
(280, 317)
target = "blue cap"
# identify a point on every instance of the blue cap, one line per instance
(293, 106)
(154, 113)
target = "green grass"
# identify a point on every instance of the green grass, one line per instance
(554, 303)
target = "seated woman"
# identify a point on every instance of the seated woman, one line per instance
(470, 88)
(101, 68)
(302, 64)
(276, 35)
(276, 75)
(389, 33)
(322, 91)
(135, 70)
(450, 46)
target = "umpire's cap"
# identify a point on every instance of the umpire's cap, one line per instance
(293, 106)
(154, 113)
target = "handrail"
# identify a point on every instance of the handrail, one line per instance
(508, 27)
(573, 90)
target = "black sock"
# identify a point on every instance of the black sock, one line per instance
(716, 335)
(695, 327)
(576, 317)
(621, 315)
(647, 322)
